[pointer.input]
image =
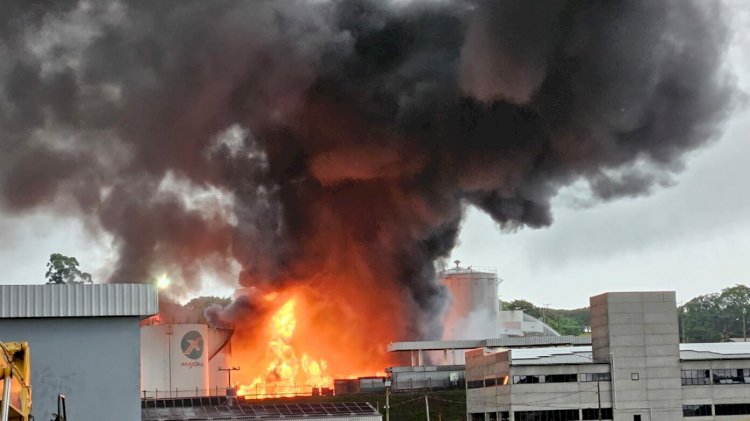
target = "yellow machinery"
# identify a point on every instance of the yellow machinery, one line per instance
(15, 390)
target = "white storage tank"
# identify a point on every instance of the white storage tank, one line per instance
(474, 310)
(174, 360)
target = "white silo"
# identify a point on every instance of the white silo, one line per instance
(174, 360)
(474, 309)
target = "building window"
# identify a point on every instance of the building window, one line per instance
(696, 410)
(732, 376)
(693, 377)
(593, 413)
(561, 378)
(527, 379)
(553, 415)
(595, 377)
(636, 418)
(547, 378)
(490, 382)
(732, 409)
(634, 377)
(505, 416)
(492, 416)
(474, 384)
(477, 417)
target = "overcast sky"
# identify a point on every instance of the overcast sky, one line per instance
(692, 237)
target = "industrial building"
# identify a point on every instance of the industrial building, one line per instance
(634, 370)
(84, 343)
(474, 310)
(183, 359)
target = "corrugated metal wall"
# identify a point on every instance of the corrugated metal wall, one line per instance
(78, 300)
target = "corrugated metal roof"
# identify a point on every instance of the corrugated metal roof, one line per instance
(715, 351)
(78, 300)
(551, 356)
(528, 341)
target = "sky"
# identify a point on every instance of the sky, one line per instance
(692, 237)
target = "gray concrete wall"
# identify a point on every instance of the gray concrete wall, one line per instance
(94, 362)
(641, 334)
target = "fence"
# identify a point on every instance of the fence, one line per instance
(259, 392)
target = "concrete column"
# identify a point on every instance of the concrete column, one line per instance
(413, 360)
(420, 356)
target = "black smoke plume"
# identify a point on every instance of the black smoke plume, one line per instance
(336, 143)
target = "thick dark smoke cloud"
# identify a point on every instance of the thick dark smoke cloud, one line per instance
(305, 138)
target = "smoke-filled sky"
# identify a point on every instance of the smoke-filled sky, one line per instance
(579, 147)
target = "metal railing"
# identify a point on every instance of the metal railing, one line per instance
(259, 392)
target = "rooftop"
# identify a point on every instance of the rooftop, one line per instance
(582, 354)
(77, 300)
(525, 342)
(217, 408)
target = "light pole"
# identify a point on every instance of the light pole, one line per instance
(229, 375)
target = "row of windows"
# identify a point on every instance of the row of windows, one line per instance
(553, 415)
(550, 415)
(595, 377)
(692, 377)
(732, 409)
(696, 410)
(545, 378)
(561, 378)
(732, 376)
(721, 376)
(593, 413)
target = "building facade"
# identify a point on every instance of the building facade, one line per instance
(634, 370)
(84, 342)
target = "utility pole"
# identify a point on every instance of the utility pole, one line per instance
(169, 332)
(544, 312)
(598, 399)
(427, 407)
(229, 375)
(682, 322)
(387, 400)
(744, 325)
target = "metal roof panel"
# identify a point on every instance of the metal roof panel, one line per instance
(78, 300)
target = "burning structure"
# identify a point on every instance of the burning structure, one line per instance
(322, 153)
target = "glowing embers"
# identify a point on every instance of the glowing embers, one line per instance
(287, 373)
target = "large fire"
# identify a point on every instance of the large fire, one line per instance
(287, 371)
(289, 351)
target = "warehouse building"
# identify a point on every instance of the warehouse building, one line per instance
(84, 342)
(634, 370)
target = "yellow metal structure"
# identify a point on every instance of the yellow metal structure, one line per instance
(15, 387)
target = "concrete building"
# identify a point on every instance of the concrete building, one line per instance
(84, 342)
(634, 370)
(440, 364)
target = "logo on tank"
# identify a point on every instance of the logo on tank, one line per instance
(192, 345)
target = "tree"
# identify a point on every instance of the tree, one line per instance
(715, 317)
(527, 307)
(62, 269)
(197, 306)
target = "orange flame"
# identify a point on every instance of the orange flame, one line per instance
(302, 337)
(286, 373)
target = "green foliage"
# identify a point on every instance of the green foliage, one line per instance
(566, 322)
(64, 270)
(564, 325)
(527, 307)
(196, 308)
(715, 317)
